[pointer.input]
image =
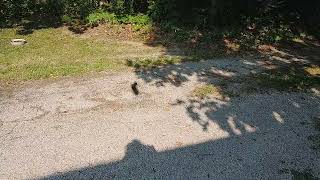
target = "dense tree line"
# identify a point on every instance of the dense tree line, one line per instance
(203, 13)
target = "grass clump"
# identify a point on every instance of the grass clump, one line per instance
(314, 71)
(208, 90)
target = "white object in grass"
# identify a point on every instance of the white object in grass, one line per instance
(18, 42)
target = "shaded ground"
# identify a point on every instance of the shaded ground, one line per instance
(93, 128)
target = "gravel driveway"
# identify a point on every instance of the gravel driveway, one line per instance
(96, 128)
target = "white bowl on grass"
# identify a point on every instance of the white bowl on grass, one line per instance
(18, 42)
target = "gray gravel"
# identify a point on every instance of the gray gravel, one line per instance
(96, 128)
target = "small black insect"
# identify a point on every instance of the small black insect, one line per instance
(134, 88)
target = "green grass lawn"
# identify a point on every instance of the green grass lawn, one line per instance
(52, 53)
(56, 52)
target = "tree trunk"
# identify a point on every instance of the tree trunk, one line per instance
(213, 11)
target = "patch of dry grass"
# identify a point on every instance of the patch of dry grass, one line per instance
(208, 90)
(314, 71)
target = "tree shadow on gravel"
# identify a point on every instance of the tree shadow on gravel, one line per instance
(290, 67)
(267, 130)
(276, 153)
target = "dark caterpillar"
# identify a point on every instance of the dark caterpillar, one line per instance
(134, 88)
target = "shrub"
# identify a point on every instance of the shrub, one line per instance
(163, 10)
(127, 6)
(12, 12)
(101, 16)
(80, 9)
(138, 21)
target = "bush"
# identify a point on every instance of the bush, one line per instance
(285, 15)
(80, 9)
(43, 11)
(101, 17)
(12, 12)
(164, 10)
(127, 7)
(138, 21)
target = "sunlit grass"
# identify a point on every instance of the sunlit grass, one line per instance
(208, 90)
(53, 53)
(56, 52)
(314, 71)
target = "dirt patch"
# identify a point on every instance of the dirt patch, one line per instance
(113, 32)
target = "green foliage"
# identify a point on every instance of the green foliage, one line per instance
(135, 19)
(164, 10)
(127, 6)
(67, 19)
(138, 21)
(80, 9)
(269, 20)
(101, 17)
(251, 21)
(12, 12)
